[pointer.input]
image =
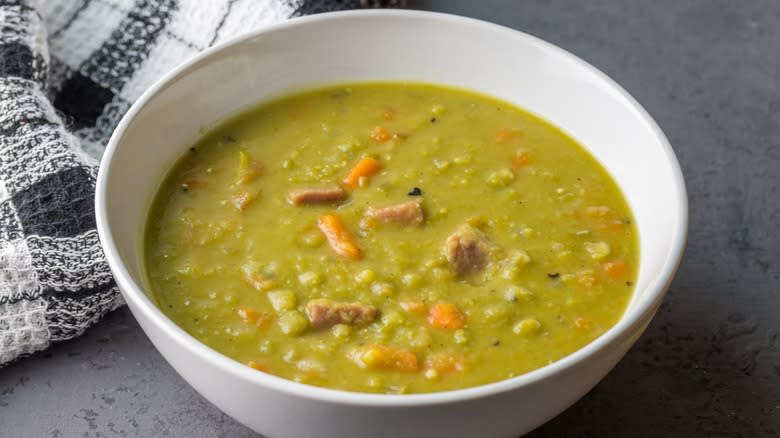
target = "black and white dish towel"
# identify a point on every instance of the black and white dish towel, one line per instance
(69, 70)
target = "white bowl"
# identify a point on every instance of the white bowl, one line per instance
(397, 45)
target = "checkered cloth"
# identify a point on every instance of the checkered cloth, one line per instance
(69, 70)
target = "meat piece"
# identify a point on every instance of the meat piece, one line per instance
(324, 313)
(468, 250)
(406, 213)
(316, 195)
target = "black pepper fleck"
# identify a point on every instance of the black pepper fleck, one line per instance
(496, 343)
(415, 192)
(628, 283)
(192, 149)
(553, 274)
(433, 119)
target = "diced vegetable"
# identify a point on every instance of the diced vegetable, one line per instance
(242, 199)
(247, 169)
(364, 168)
(500, 178)
(616, 268)
(338, 236)
(597, 250)
(381, 356)
(292, 322)
(514, 262)
(446, 316)
(251, 316)
(282, 299)
(527, 327)
(521, 158)
(255, 278)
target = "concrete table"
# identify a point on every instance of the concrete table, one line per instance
(708, 366)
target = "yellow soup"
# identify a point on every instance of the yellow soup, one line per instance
(391, 238)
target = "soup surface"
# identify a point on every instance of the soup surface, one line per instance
(391, 238)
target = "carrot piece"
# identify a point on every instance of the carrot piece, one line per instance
(504, 135)
(616, 268)
(413, 305)
(259, 281)
(338, 236)
(366, 167)
(381, 356)
(380, 134)
(446, 316)
(521, 159)
(255, 278)
(252, 317)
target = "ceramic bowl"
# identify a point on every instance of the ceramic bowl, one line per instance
(391, 45)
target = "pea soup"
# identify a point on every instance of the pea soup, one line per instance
(391, 238)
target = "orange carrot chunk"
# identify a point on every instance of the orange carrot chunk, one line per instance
(364, 168)
(446, 316)
(252, 317)
(616, 268)
(338, 236)
(380, 356)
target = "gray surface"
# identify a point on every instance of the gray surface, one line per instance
(709, 365)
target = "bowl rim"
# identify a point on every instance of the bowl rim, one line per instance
(628, 325)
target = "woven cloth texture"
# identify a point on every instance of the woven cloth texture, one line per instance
(69, 70)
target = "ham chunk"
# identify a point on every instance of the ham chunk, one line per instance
(316, 195)
(324, 313)
(406, 213)
(468, 250)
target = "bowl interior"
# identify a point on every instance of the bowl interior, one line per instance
(400, 46)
